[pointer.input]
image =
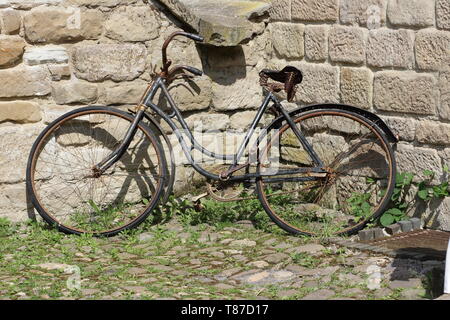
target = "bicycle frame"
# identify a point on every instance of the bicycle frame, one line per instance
(159, 84)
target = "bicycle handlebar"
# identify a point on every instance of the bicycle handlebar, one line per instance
(166, 63)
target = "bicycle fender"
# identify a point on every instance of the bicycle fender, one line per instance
(364, 113)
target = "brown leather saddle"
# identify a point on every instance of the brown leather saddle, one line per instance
(289, 77)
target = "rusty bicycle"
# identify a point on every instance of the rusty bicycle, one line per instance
(324, 168)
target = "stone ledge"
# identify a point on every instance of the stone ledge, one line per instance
(221, 22)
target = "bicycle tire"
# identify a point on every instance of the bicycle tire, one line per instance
(325, 128)
(82, 117)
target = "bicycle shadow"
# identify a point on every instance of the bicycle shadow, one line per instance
(429, 268)
(136, 157)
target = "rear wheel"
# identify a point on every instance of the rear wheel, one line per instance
(357, 185)
(69, 193)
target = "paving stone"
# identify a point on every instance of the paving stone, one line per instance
(258, 277)
(126, 256)
(217, 254)
(229, 272)
(223, 286)
(295, 268)
(327, 270)
(353, 292)
(287, 293)
(243, 243)
(411, 283)
(270, 242)
(135, 289)
(136, 271)
(413, 294)
(276, 257)
(311, 284)
(322, 294)
(308, 248)
(354, 279)
(146, 236)
(259, 264)
(89, 292)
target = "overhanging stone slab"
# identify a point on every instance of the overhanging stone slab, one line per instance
(221, 22)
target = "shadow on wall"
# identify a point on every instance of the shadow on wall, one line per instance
(224, 65)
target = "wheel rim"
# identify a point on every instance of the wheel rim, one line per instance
(357, 184)
(68, 191)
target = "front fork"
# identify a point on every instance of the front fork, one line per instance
(114, 156)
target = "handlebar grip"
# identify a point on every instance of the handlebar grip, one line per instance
(193, 70)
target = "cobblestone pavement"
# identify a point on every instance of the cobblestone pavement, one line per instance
(172, 261)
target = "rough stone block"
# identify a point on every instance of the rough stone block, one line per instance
(11, 48)
(46, 54)
(416, 223)
(246, 91)
(315, 10)
(29, 4)
(437, 214)
(432, 49)
(19, 111)
(390, 48)
(411, 13)
(406, 226)
(66, 92)
(320, 83)
(103, 3)
(15, 145)
(405, 92)
(52, 112)
(132, 24)
(366, 235)
(242, 120)
(206, 122)
(14, 202)
(122, 93)
(444, 88)
(378, 233)
(280, 10)
(393, 229)
(404, 128)
(316, 42)
(370, 13)
(59, 71)
(346, 44)
(10, 21)
(4, 3)
(287, 40)
(433, 132)
(192, 96)
(416, 160)
(56, 24)
(443, 14)
(117, 62)
(24, 82)
(356, 87)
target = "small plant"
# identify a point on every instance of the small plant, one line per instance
(426, 192)
(359, 205)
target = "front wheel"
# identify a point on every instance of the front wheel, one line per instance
(69, 193)
(359, 176)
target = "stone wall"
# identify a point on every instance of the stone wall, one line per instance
(391, 57)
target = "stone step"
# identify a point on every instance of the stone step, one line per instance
(221, 22)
